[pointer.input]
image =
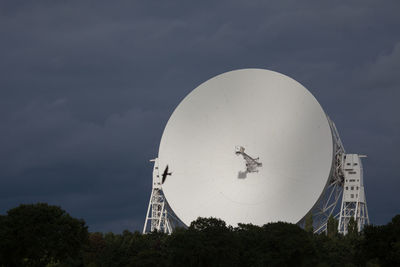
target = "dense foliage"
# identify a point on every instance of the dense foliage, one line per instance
(42, 235)
(38, 235)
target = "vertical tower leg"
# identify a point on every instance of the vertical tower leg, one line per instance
(354, 203)
(157, 212)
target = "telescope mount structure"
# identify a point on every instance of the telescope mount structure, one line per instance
(345, 184)
(157, 211)
(294, 164)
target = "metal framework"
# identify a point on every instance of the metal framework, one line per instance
(327, 205)
(346, 181)
(354, 204)
(157, 212)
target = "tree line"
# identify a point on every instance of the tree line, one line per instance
(45, 235)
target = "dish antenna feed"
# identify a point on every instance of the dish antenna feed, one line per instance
(252, 164)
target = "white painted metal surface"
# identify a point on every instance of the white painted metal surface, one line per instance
(287, 141)
(354, 203)
(157, 211)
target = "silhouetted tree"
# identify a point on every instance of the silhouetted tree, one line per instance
(152, 252)
(352, 228)
(43, 235)
(309, 223)
(332, 226)
(94, 251)
(332, 251)
(40, 234)
(381, 244)
(207, 242)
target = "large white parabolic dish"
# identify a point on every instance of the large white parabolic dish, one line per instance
(274, 118)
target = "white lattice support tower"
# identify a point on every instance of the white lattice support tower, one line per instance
(354, 203)
(157, 212)
(331, 197)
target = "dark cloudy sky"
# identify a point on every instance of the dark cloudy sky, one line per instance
(86, 88)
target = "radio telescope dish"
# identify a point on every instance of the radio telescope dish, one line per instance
(247, 146)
